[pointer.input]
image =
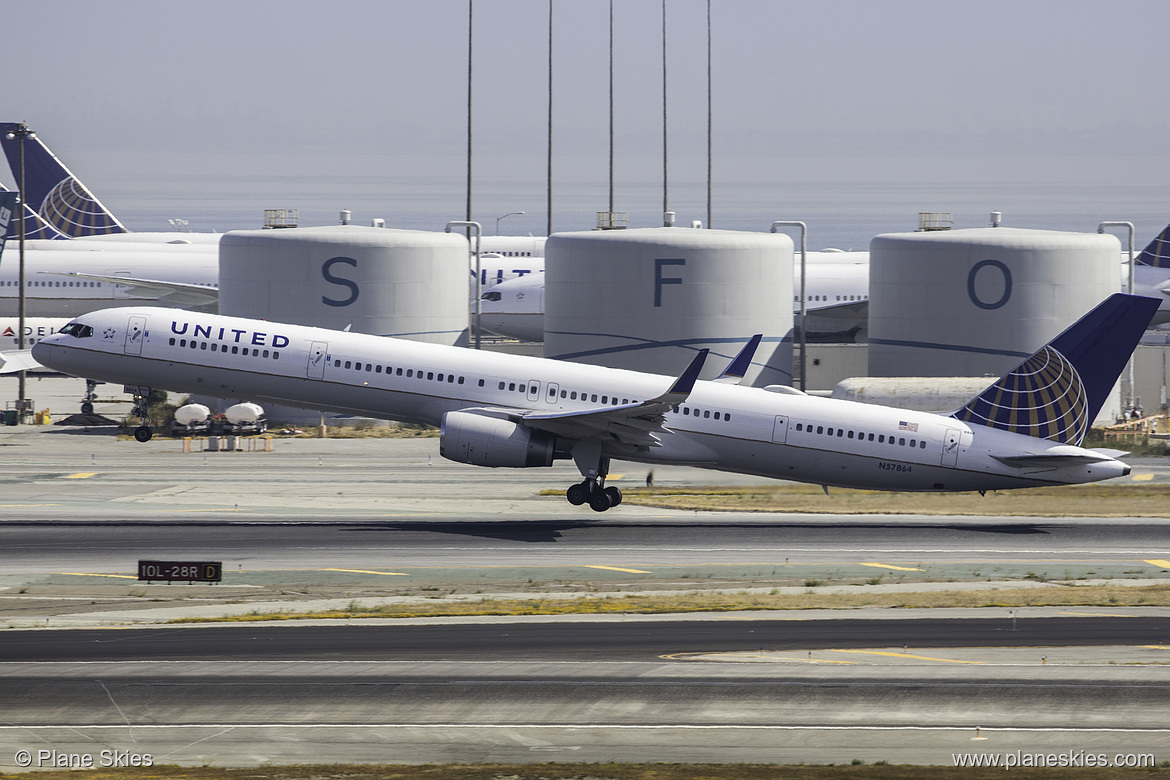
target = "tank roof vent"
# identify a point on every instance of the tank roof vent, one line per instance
(929, 220)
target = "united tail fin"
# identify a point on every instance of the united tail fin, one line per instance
(1057, 392)
(1157, 252)
(7, 215)
(34, 226)
(53, 191)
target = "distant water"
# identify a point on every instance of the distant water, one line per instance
(845, 202)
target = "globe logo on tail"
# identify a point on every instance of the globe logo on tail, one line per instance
(70, 208)
(1043, 397)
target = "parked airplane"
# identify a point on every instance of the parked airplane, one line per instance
(515, 411)
(1151, 274)
(837, 308)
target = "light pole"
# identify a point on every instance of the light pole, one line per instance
(509, 214)
(803, 276)
(1132, 400)
(21, 133)
(473, 226)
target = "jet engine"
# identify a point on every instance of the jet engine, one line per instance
(467, 437)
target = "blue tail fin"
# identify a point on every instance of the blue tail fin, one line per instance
(1057, 393)
(34, 226)
(1157, 253)
(7, 215)
(55, 193)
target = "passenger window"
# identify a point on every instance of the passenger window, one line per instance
(820, 429)
(840, 432)
(901, 442)
(913, 443)
(726, 417)
(236, 351)
(881, 438)
(605, 399)
(799, 427)
(440, 377)
(203, 345)
(706, 413)
(347, 364)
(564, 393)
(511, 385)
(480, 381)
(430, 375)
(573, 396)
(922, 445)
(593, 398)
(871, 437)
(451, 378)
(829, 431)
(378, 369)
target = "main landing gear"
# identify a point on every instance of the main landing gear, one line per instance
(592, 490)
(141, 395)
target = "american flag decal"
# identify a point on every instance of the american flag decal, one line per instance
(907, 426)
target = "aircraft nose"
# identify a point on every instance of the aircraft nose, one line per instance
(41, 352)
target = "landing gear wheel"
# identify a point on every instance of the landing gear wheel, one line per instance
(143, 433)
(615, 496)
(599, 501)
(577, 494)
(87, 408)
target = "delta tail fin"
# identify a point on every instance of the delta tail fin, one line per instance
(52, 191)
(34, 226)
(1157, 252)
(1057, 392)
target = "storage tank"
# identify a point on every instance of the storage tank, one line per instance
(974, 303)
(647, 299)
(406, 283)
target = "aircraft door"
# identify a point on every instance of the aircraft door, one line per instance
(950, 452)
(318, 356)
(780, 429)
(135, 332)
(533, 390)
(120, 290)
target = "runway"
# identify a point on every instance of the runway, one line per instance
(332, 522)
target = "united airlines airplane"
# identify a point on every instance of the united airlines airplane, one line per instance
(515, 411)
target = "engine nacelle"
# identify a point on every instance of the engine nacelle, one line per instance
(466, 437)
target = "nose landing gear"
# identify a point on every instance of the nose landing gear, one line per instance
(141, 395)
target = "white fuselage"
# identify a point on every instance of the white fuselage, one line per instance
(50, 292)
(725, 427)
(837, 292)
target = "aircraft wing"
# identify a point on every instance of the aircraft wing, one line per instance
(18, 360)
(850, 310)
(634, 425)
(177, 293)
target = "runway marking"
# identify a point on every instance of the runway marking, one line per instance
(1161, 564)
(888, 566)
(596, 726)
(87, 574)
(1142, 477)
(22, 506)
(906, 655)
(618, 568)
(367, 571)
(82, 475)
(1155, 647)
(180, 511)
(1096, 614)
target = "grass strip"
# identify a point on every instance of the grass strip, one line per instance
(1055, 596)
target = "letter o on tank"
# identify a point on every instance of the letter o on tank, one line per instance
(1007, 284)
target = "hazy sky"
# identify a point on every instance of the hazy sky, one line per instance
(803, 91)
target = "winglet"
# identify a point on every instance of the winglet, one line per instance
(1057, 392)
(738, 367)
(686, 381)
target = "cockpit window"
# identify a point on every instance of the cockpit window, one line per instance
(491, 296)
(77, 330)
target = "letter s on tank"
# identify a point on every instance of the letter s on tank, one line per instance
(327, 274)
